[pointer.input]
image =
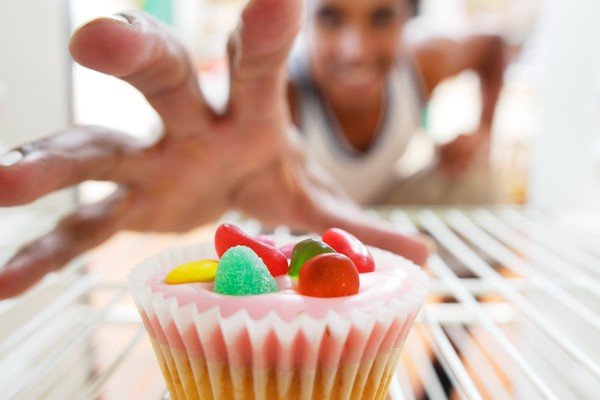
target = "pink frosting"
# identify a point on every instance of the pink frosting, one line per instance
(386, 282)
(391, 279)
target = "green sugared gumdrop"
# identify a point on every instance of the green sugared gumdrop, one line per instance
(304, 251)
(241, 272)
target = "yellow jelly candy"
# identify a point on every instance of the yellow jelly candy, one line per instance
(195, 271)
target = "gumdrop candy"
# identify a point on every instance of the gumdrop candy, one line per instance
(304, 251)
(241, 272)
(228, 235)
(347, 244)
(329, 275)
(191, 272)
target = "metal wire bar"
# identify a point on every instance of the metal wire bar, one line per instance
(471, 260)
(451, 361)
(50, 391)
(439, 267)
(488, 347)
(95, 387)
(478, 286)
(537, 252)
(479, 364)
(404, 383)
(576, 236)
(466, 298)
(483, 241)
(449, 314)
(395, 393)
(474, 285)
(585, 222)
(89, 324)
(76, 290)
(555, 244)
(558, 384)
(72, 268)
(422, 364)
(560, 372)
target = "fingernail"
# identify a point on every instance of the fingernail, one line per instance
(118, 17)
(121, 19)
(11, 158)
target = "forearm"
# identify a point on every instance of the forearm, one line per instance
(491, 73)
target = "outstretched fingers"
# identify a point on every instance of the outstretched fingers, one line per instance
(258, 51)
(140, 50)
(68, 158)
(375, 232)
(307, 198)
(88, 227)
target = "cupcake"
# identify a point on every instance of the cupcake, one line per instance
(236, 319)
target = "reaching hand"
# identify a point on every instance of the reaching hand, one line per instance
(455, 157)
(248, 158)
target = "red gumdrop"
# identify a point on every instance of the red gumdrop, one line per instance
(349, 245)
(229, 235)
(328, 275)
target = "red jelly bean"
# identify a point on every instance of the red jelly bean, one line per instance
(228, 235)
(347, 244)
(328, 275)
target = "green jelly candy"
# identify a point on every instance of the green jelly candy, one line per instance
(241, 272)
(304, 251)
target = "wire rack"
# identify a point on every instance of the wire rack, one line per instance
(513, 311)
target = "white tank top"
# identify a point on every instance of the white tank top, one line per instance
(364, 175)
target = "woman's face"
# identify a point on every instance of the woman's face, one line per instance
(352, 46)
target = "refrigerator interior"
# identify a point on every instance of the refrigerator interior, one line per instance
(514, 305)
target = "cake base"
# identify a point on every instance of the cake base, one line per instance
(190, 378)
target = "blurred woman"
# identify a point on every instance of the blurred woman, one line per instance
(357, 91)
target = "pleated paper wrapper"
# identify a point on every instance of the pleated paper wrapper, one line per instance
(205, 355)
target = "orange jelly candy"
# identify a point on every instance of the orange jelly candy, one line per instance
(328, 275)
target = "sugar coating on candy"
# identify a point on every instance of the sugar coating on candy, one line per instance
(241, 272)
(304, 251)
(192, 272)
(229, 235)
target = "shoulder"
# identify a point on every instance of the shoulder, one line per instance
(441, 57)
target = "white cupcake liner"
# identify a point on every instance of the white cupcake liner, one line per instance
(200, 352)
